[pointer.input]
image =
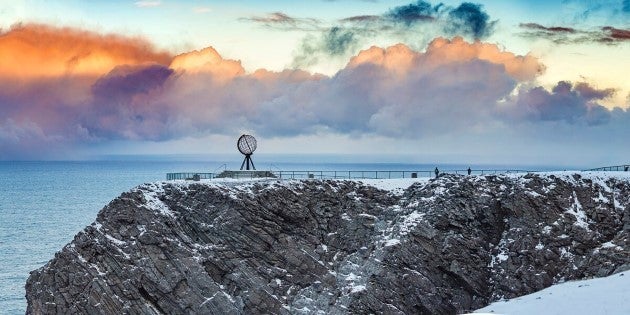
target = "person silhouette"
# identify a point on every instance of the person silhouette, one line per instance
(437, 172)
(469, 171)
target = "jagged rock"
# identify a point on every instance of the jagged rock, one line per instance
(441, 246)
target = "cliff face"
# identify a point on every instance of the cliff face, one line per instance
(335, 247)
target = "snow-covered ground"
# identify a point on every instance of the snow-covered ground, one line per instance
(609, 295)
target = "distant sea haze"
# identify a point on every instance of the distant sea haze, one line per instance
(44, 204)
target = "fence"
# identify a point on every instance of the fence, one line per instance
(343, 174)
(381, 174)
(623, 168)
(189, 176)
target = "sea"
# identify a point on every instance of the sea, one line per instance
(43, 204)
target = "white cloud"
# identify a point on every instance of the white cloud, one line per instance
(147, 3)
(201, 10)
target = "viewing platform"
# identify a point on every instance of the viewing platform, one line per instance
(385, 174)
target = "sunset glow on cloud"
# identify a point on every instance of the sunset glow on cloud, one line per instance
(66, 87)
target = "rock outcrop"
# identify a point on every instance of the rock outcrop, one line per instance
(440, 246)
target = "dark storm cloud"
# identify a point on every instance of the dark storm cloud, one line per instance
(409, 14)
(469, 18)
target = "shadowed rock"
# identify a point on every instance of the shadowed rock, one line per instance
(444, 246)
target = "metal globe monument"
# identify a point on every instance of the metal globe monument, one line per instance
(247, 144)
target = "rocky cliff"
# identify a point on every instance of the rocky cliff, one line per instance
(440, 246)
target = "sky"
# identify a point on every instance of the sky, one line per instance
(503, 82)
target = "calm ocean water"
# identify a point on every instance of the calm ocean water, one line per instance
(44, 204)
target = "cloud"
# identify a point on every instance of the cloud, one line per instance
(361, 18)
(202, 10)
(565, 102)
(553, 29)
(377, 93)
(467, 19)
(615, 34)
(123, 104)
(37, 51)
(25, 140)
(440, 52)
(409, 14)
(282, 21)
(147, 4)
(568, 35)
(451, 89)
(335, 42)
(418, 22)
(207, 60)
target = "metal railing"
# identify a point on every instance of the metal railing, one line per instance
(189, 176)
(622, 168)
(382, 174)
(346, 174)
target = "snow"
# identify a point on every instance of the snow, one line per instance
(151, 193)
(601, 198)
(578, 212)
(609, 295)
(357, 288)
(395, 185)
(611, 245)
(410, 222)
(502, 255)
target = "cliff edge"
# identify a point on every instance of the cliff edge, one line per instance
(445, 245)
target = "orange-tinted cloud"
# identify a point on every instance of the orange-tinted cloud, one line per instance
(29, 51)
(207, 61)
(441, 51)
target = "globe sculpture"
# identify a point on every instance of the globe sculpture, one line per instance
(246, 144)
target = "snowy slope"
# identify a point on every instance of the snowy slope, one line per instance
(608, 295)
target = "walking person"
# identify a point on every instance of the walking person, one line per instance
(437, 172)
(469, 171)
